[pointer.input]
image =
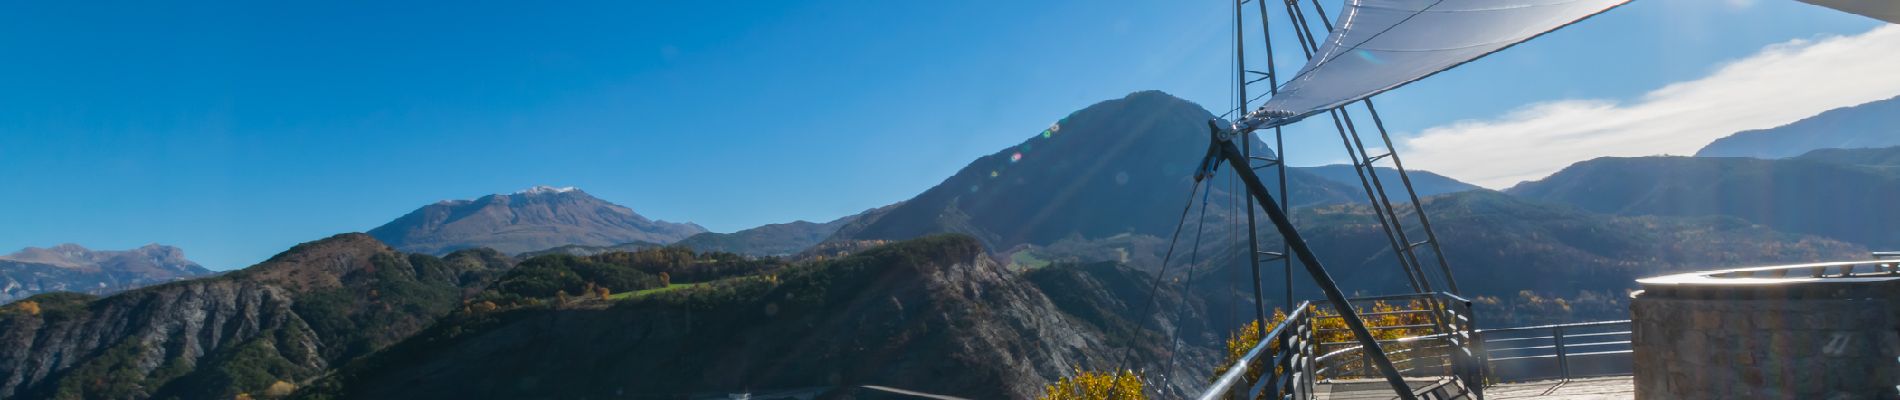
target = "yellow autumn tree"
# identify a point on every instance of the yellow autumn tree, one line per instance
(1242, 341)
(665, 280)
(280, 389)
(1091, 385)
(1386, 321)
(602, 292)
(28, 306)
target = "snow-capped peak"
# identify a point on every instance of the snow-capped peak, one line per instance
(544, 189)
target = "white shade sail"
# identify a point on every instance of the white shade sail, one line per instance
(1379, 45)
(1884, 10)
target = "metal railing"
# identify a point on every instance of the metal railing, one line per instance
(1269, 366)
(1562, 351)
(1885, 266)
(1440, 344)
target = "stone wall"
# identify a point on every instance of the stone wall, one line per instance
(1768, 344)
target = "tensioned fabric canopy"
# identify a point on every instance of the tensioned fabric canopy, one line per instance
(1379, 45)
(1884, 10)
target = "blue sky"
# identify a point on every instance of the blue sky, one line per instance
(237, 129)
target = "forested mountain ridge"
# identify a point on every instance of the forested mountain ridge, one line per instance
(933, 314)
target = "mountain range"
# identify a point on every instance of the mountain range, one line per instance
(1028, 264)
(1874, 124)
(74, 268)
(535, 219)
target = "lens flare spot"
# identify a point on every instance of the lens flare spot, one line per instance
(1055, 127)
(1016, 157)
(1046, 133)
(1368, 56)
(992, 174)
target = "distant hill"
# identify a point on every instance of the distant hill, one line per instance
(1119, 166)
(74, 268)
(773, 239)
(262, 330)
(579, 250)
(1875, 124)
(1886, 159)
(1425, 183)
(787, 239)
(1825, 193)
(534, 219)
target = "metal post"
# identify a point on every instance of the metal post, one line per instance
(1563, 362)
(1311, 347)
(1223, 147)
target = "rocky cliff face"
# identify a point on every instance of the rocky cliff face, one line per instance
(74, 268)
(278, 323)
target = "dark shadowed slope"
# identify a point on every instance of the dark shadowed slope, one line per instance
(535, 219)
(1119, 166)
(278, 323)
(1875, 124)
(73, 268)
(1826, 197)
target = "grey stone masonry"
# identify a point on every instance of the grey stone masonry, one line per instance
(1767, 342)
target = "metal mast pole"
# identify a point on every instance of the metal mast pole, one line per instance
(1253, 241)
(1279, 156)
(1223, 147)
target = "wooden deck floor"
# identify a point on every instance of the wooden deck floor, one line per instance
(1611, 388)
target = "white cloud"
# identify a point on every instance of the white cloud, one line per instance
(1780, 84)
